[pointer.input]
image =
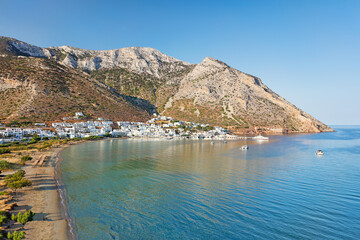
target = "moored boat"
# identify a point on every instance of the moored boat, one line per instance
(260, 138)
(319, 153)
(244, 147)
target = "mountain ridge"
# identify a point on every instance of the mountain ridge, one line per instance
(208, 92)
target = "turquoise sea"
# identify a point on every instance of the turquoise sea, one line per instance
(177, 189)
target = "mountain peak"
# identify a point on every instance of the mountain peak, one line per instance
(208, 66)
(209, 61)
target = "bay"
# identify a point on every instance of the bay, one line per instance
(177, 189)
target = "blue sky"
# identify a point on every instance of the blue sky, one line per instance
(306, 51)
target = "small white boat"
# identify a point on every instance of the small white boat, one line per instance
(261, 138)
(244, 147)
(319, 153)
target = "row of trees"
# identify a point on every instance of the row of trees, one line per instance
(198, 128)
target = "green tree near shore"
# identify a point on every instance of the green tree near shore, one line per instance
(19, 184)
(16, 235)
(15, 176)
(23, 218)
(17, 181)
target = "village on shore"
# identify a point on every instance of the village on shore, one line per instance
(159, 127)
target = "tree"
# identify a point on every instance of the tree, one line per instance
(16, 235)
(19, 184)
(19, 174)
(23, 218)
(17, 181)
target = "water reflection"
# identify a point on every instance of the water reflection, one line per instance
(136, 189)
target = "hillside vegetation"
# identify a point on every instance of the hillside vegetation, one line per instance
(38, 89)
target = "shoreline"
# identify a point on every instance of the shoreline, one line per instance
(46, 197)
(63, 205)
(71, 233)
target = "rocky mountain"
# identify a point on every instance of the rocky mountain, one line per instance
(140, 60)
(150, 81)
(217, 93)
(36, 89)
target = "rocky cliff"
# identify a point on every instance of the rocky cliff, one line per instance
(208, 92)
(217, 93)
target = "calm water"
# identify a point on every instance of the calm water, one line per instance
(133, 189)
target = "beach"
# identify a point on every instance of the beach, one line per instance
(43, 198)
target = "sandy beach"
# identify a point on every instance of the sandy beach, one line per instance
(43, 199)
